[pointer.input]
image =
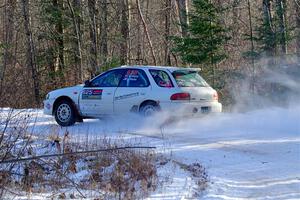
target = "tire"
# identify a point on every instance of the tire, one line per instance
(65, 113)
(149, 109)
(79, 119)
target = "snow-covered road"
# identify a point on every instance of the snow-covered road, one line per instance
(254, 155)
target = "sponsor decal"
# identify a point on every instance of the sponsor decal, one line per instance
(126, 96)
(92, 94)
(131, 75)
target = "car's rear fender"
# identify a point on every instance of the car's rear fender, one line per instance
(156, 102)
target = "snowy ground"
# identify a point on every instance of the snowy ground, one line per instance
(254, 155)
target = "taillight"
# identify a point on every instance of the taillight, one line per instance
(180, 96)
(215, 96)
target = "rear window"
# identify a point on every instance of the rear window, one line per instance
(189, 78)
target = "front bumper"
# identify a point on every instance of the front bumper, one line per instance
(48, 106)
(192, 107)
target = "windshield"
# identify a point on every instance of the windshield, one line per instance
(189, 78)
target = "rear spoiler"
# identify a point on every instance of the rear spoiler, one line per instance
(194, 69)
(189, 69)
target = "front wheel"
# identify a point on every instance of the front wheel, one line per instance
(149, 109)
(64, 113)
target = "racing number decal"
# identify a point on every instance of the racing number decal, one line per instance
(131, 75)
(92, 94)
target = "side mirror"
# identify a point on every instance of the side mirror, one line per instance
(87, 83)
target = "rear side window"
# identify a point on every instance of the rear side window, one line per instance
(161, 78)
(134, 78)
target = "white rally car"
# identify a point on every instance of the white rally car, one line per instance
(142, 89)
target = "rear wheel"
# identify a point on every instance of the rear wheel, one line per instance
(65, 113)
(149, 109)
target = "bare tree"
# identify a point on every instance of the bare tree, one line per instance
(167, 31)
(297, 5)
(9, 17)
(281, 12)
(60, 62)
(140, 57)
(104, 30)
(269, 27)
(146, 31)
(183, 16)
(124, 31)
(31, 55)
(93, 36)
(252, 44)
(235, 18)
(75, 13)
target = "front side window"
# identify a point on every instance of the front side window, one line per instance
(189, 78)
(161, 78)
(109, 79)
(134, 78)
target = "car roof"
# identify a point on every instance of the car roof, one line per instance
(170, 68)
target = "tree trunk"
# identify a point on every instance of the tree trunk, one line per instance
(167, 32)
(252, 46)
(124, 32)
(9, 19)
(30, 54)
(60, 62)
(104, 30)
(235, 18)
(146, 31)
(269, 28)
(281, 13)
(183, 16)
(93, 36)
(76, 14)
(139, 60)
(297, 4)
(129, 45)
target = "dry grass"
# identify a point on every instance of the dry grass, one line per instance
(113, 174)
(198, 174)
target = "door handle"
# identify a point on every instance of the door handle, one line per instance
(108, 93)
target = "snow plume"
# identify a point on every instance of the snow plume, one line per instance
(271, 108)
(276, 83)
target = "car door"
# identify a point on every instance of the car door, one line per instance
(96, 99)
(132, 91)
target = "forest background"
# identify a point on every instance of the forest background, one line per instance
(49, 44)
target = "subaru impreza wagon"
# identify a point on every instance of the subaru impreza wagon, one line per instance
(141, 89)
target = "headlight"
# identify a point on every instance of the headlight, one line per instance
(47, 96)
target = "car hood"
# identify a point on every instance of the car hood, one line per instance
(68, 91)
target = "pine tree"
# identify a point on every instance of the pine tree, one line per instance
(266, 31)
(205, 39)
(52, 55)
(272, 34)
